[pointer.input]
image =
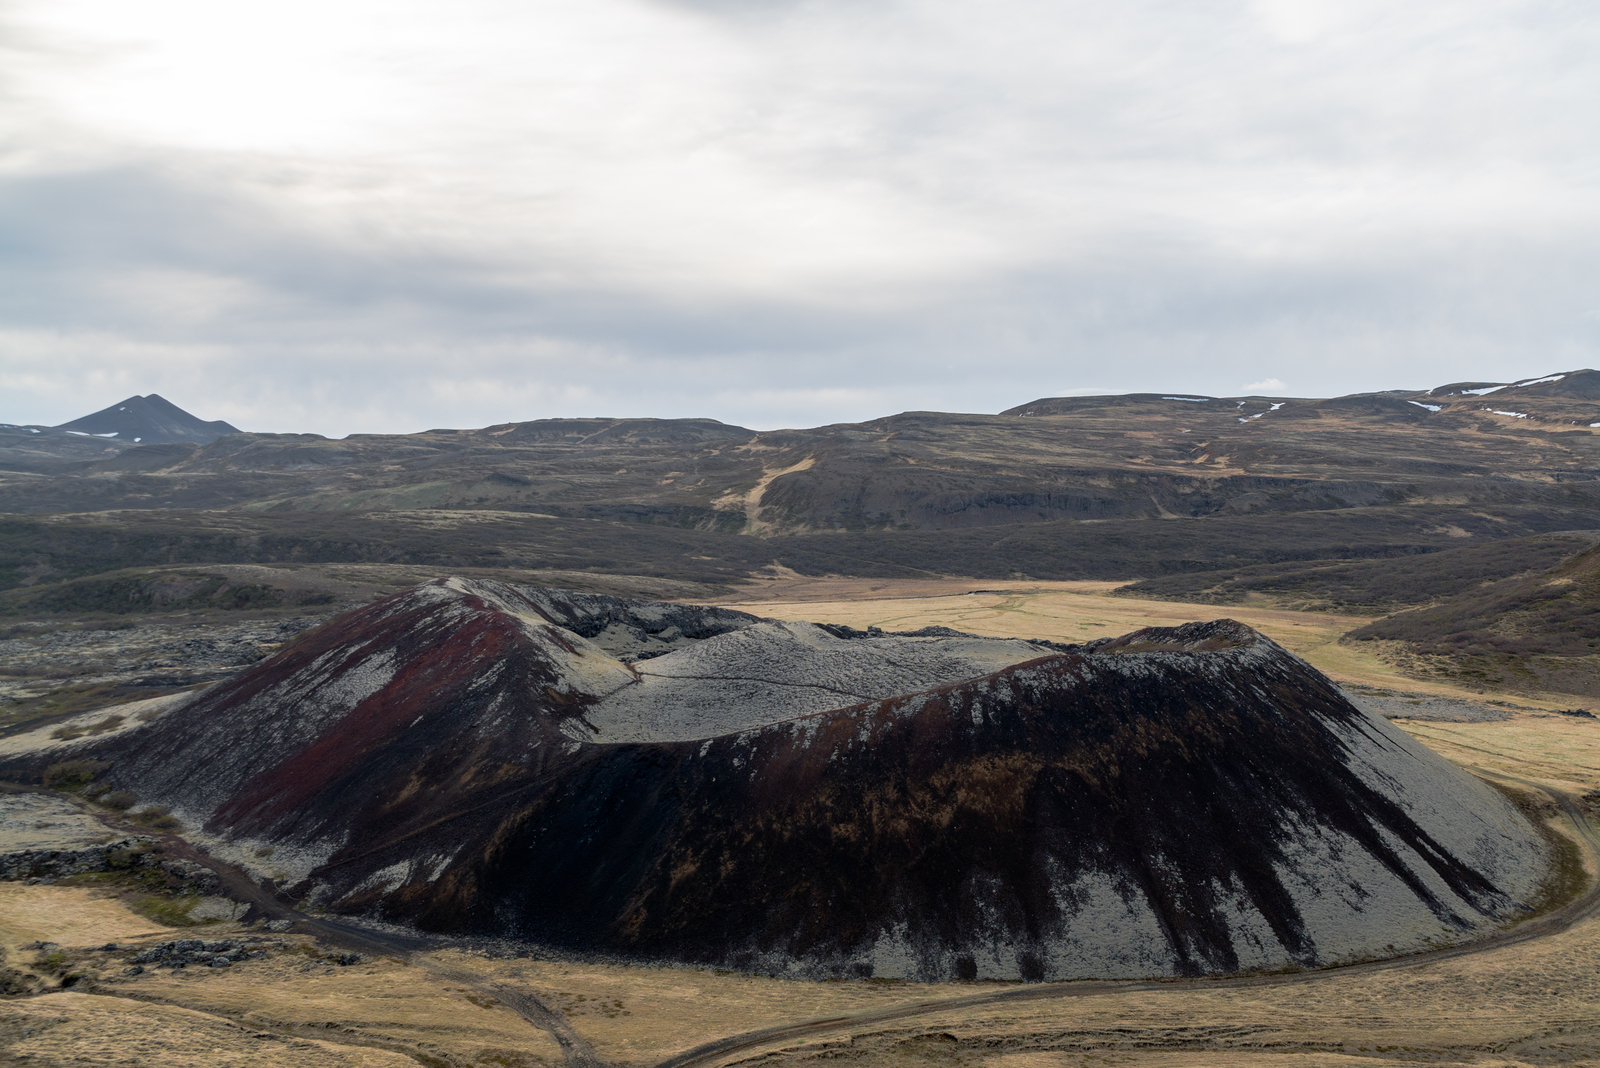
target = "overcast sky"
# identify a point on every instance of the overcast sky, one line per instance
(390, 215)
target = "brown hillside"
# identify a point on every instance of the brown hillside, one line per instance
(1539, 631)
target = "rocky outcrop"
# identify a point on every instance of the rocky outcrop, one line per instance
(221, 953)
(57, 863)
(141, 855)
(1175, 802)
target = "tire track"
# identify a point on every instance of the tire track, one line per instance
(268, 903)
(578, 1052)
(574, 1048)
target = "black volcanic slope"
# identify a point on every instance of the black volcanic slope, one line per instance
(1183, 801)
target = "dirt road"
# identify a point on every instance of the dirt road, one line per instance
(267, 903)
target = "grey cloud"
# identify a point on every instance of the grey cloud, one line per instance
(390, 333)
(66, 232)
(1180, 202)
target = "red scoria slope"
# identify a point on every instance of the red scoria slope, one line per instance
(1178, 801)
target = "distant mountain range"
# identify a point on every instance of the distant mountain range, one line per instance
(152, 420)
(1132, 456)
(1321, 502)
(1569, 398)
(149, 420)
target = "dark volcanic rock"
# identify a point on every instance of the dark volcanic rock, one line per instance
(56, 863)
(1181, 801)
(183, 952)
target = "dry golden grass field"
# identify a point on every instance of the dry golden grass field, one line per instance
(1523, 1003)
(1081, 611)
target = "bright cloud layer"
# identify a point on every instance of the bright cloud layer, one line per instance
(358, 216)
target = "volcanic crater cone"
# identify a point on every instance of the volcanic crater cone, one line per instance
(662, 781)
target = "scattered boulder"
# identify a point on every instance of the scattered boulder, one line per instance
(143, 856)
(183, 952)
(41, 864)
(190, 874)
(216, 907)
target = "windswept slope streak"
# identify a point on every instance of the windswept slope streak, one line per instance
(695, 784)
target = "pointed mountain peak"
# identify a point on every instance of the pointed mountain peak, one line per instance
(148, 420)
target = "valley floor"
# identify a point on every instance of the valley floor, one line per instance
(1083, 611)
(1534, 1001)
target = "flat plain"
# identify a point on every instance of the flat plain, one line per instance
(1080, 611)
(1523, 1003)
